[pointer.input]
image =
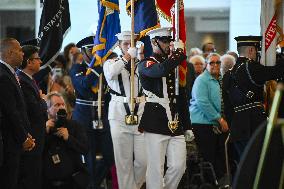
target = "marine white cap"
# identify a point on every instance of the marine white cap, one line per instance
(160, 32)
(125, 35)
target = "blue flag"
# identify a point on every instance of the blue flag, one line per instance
(108, 26)
(145, 19)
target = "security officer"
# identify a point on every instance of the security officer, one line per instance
(165, 115)
(127, 140)
(85, 112)
(243, 91)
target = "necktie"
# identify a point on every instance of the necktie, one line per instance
(17, 78)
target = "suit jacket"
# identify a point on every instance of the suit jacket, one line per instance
(1, 140)
(36, 110)
(15, 123)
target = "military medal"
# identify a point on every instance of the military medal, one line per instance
(131, 119)
(173, 125)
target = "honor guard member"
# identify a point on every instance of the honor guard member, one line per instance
(128, 142)
(85, 112)
(243, 91)
(165, 116)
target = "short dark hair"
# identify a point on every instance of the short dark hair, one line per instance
(28, 51)
(205, 44)
(6, 44)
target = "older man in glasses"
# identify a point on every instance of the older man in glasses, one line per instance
(206, 114)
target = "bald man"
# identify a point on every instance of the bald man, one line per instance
(15, 124)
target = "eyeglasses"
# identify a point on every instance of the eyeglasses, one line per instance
(36, 58)
(217, 62)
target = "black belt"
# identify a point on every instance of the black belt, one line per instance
(247, 106)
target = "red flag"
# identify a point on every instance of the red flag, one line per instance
(166, 10)
(272, 32)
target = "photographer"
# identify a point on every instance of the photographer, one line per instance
(66, 142)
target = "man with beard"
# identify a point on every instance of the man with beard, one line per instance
(165, 116)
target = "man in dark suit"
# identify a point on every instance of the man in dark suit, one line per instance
(30, 172)
(1, 141)
(15, 124)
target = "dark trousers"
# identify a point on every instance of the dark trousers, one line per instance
(240, 147)
(10, 170)
(62, 184)
(211, 147)
(99, 141)
(30, 171)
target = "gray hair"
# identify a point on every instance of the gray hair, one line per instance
(195, 58)
(194, 51)
(211, 55)
(227, 62)
(50, 95)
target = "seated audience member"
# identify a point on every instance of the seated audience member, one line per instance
(198, 64)
(227, 62)
(66, 142)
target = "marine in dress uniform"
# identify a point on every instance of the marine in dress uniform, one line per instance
(85, 112)
(128, 142)
(165, 116)
(243, 91)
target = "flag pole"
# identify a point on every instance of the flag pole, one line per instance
(100, 122)
(132, 61)
(132, 119)
(177, 7)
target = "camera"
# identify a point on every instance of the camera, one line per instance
(61, 116)
(60, 121)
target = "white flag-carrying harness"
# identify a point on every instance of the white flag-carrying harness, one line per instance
(272, 29)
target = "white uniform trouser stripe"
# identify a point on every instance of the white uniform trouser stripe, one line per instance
(127, 140)
(157, 147)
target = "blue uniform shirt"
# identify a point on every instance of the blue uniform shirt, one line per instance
(83, 86)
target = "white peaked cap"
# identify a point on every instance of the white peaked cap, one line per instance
(125, 35)
(160, 32)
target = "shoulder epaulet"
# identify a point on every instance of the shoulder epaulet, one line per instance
(150, 61)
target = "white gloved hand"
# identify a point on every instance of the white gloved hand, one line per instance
(178, 45)
(132, 51)
(189, 136)
(139, 44)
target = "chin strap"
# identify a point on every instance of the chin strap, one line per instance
(163, 52)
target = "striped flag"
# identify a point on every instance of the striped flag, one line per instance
(166, 9)
(272, 29)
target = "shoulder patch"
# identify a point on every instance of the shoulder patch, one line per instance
(149, 63)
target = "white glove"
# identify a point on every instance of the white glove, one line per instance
(178, 45)
(132, 51)
(189, 136)
(139, 44)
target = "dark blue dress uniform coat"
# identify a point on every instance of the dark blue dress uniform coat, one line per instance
(152, 71)
(243, 87)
